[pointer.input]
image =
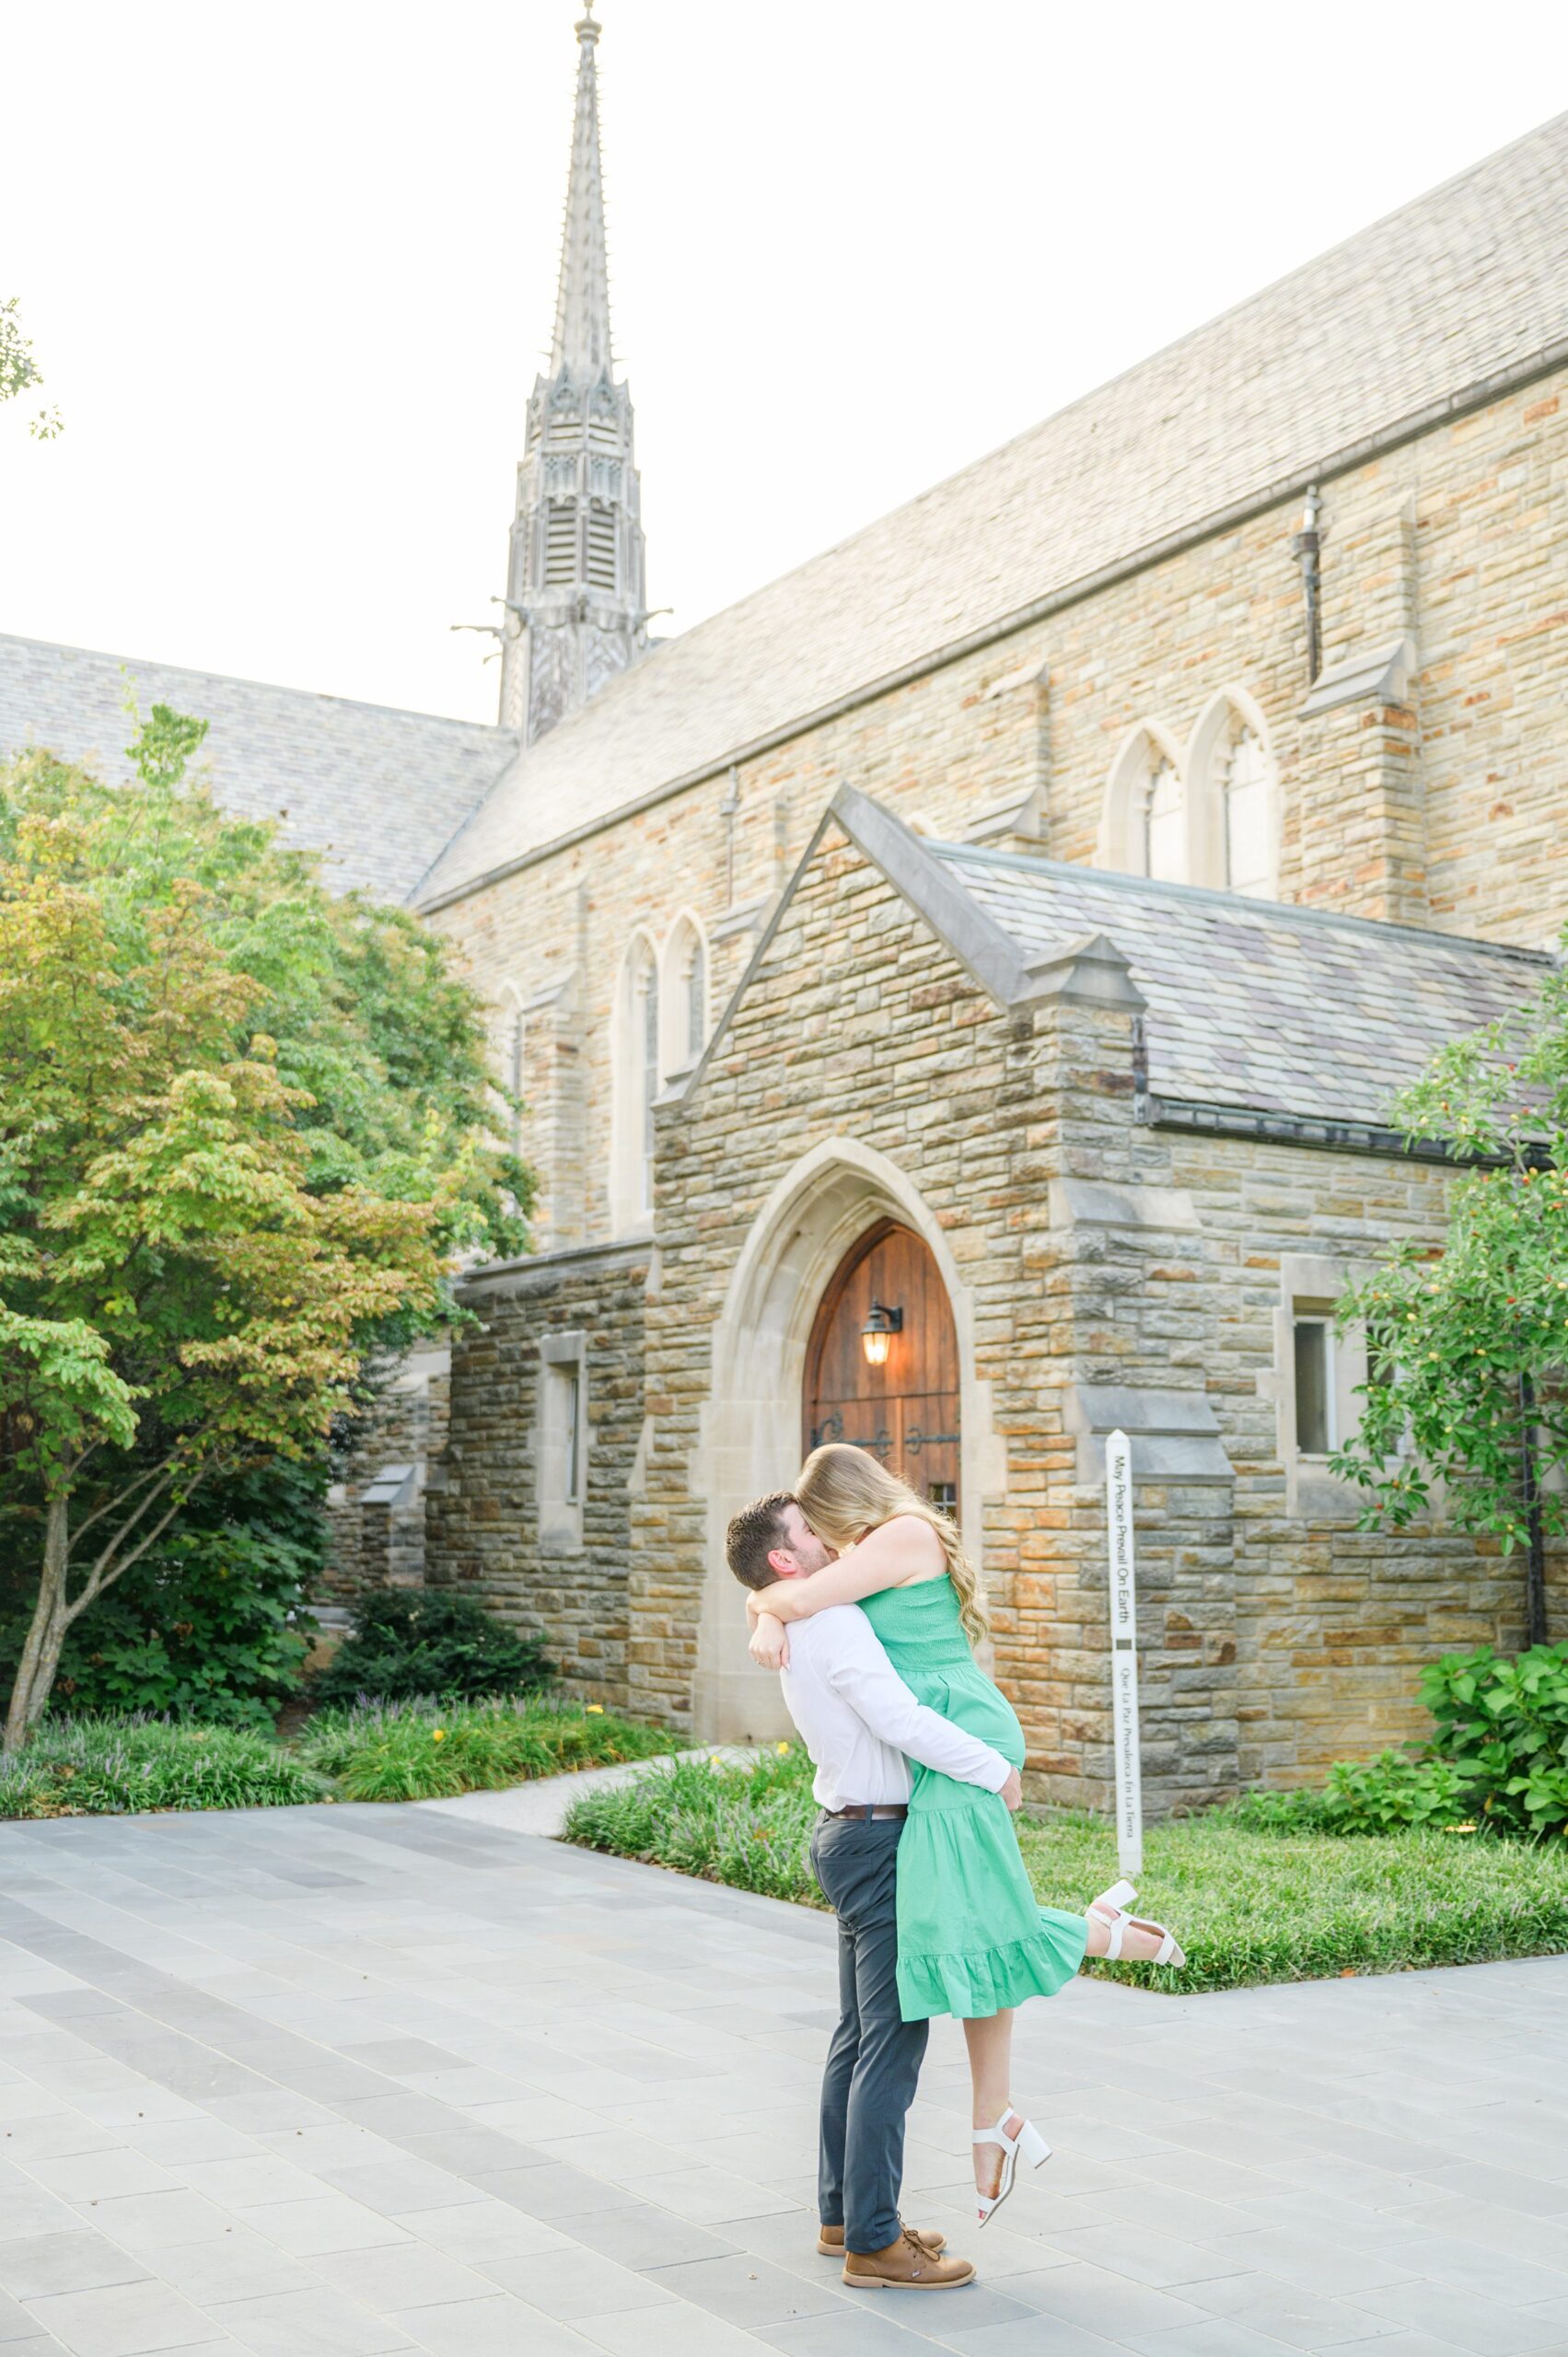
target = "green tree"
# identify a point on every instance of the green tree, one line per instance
(244, 1133)
(1469, 1344)
(19, 372)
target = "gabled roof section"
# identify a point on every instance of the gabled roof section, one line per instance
(1251, 1005)
(1438, 306)
(1251, 1009)
(376, 791)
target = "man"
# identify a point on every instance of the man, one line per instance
(862, 1726)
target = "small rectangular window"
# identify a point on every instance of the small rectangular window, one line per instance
(1314, 1387)
(571, 1412)
(562, 1441)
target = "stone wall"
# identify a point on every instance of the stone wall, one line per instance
(490, 1528)
(1421, 782)
(376, 1507)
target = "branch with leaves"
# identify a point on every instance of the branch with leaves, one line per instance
(1467, 1345)
(19, 373)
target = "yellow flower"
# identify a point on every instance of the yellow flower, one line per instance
(1458, 1829)
(595, 1709)
(783, 1750)
(438, 1734)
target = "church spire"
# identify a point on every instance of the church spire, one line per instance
(577, 610)
(582, 302)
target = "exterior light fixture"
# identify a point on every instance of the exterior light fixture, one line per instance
(880, 1324)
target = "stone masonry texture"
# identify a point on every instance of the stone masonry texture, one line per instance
(483, 1512)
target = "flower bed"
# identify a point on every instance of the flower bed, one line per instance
(373, 1751)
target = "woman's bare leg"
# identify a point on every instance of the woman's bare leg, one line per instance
(990, 2043)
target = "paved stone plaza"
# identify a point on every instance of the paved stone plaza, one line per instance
(351, 2080)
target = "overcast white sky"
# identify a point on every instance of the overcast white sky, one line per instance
(289, 271)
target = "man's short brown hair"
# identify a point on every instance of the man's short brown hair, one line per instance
(752, 1532)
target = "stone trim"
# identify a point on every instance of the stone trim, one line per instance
(1380, 675)
(538, 1269)
(1176, 1434)
(1090, 972)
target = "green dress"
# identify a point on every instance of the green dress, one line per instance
(972, 1936)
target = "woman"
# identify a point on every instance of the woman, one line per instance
(973, 1940)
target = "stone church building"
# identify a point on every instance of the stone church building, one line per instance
(958, 992)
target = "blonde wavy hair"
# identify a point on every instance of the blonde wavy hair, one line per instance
(845, 1492)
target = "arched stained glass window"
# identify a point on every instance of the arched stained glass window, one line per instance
(1249, 815)
(644, 1021)
(1164, 821)
(695, 984)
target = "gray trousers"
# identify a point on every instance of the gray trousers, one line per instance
(875, 2058)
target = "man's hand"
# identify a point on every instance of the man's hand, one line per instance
(769, 1643)
(1013, 1790)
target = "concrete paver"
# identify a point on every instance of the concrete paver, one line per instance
(352, 2080)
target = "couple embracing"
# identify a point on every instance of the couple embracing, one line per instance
(863, 1599)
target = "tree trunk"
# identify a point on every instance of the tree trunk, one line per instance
(40, 1653)
(1529, 1487)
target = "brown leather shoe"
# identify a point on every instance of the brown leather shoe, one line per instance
(831, 2239)
(906, 2266)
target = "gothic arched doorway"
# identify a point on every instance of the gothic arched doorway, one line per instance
(905, 1410)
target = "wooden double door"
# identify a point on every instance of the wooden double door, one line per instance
(906, 1411)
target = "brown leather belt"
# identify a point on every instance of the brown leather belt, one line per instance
(869, 1810)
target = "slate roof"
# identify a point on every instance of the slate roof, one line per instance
(1253, 1004)
(378, 791)
(1467, 286)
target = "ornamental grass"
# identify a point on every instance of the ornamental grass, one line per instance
(113, 1767)
(428, 1749)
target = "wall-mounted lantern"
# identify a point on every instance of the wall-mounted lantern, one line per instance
(880, 1325)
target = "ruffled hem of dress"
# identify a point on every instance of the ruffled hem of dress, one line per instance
(971, 1983)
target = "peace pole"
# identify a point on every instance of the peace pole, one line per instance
(1124, 1655)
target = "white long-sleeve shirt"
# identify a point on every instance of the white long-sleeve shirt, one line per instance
(861, 1724)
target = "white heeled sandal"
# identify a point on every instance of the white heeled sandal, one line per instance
(1111, 1908)
(1028, 2144)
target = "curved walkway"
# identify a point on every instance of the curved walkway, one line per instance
(352, 2080)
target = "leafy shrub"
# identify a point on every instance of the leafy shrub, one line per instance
(1503, 1723)
(747, 1824)
(429, 1749)
(1377, 1795)
(106, 1766)
(412, 1642)
(212, 1624)
(1293, 1812)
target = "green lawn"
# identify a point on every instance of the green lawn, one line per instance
(1248, 1904)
